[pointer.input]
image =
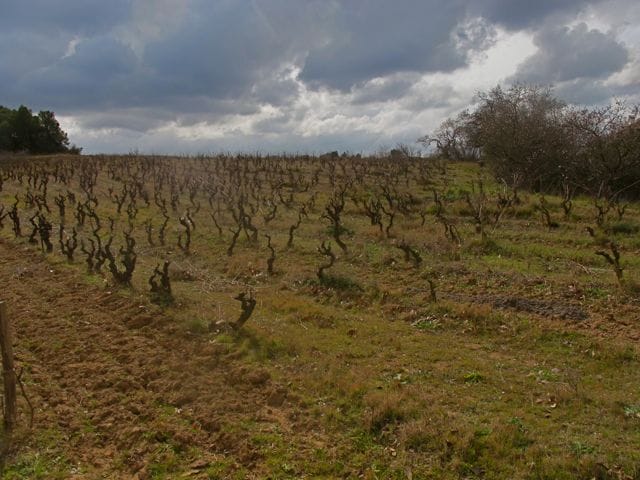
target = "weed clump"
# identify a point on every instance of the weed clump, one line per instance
(385, 410)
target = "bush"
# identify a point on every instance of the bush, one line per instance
(22, 131)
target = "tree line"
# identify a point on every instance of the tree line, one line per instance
(532, 140)
(21, 131)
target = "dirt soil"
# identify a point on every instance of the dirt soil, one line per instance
(121, 382)
(616, 318)
(551, 309)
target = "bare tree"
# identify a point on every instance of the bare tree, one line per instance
(452, 139)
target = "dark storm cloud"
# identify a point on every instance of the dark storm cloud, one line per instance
(137, 65)
(373, 38)
(96, 76)
(566, 54)
(76, 17)
(223, 50)
(583, 91)
(24, 51)
(237, 49)
(35, 37)
(148, 118)
(521, 14)
(220, 54)
(128, 119)
(588, 92)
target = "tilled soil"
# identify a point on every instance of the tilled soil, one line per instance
(615, 318)
(121, 382)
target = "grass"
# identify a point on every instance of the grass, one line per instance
(388, 382)
(632, 411)
(43, 461)
(36, 466)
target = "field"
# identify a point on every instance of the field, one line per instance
(463, 330)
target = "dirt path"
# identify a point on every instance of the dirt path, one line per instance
(121, 382)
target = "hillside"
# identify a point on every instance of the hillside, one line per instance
(463, 331)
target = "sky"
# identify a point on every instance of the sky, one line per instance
(306, 76)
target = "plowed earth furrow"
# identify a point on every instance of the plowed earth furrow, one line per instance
(119, 380)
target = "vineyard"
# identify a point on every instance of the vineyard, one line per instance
(316, 317)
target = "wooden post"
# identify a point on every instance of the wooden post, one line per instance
(8, 371)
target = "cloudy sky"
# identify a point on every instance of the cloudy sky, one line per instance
(189, 76)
